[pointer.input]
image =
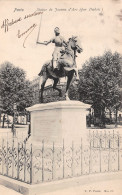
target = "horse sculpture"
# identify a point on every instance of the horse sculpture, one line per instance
(66, 68)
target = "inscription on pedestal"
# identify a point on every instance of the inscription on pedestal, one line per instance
(58, 120)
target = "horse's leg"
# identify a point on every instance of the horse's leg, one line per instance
(76, 74)
(70, 76)
(44, 79)
(55, 84)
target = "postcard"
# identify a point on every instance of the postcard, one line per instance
(34, 35)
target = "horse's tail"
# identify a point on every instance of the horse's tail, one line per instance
(44, 69)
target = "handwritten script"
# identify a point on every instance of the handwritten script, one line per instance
(6, 24)
(28, 30)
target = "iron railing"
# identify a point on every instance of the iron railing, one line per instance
(35, 164)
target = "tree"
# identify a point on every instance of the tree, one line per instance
(100, 79)
(14, 88)
(73, 90)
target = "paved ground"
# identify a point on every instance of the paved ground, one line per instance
(7, 191)
(109, 187)
(99, 188)
(21, 131)
(18, 128)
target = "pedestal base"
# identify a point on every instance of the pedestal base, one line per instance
(58, 120)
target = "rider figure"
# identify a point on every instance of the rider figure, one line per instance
(59, 46)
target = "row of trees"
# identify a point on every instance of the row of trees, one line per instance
(14, 88)
(100, 84)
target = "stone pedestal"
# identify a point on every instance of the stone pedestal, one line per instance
(58, 120)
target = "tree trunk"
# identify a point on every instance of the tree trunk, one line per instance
(116, 111)
(0, 118)
(3, 120)
(97, 116)
(7, 121)
(102, 118)
(110, 116)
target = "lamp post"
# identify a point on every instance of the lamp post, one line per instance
(13, 126)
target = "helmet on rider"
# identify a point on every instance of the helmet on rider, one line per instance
(57, 30)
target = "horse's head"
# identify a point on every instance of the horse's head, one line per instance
(75, 44)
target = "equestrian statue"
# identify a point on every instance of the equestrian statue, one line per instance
(63, 63)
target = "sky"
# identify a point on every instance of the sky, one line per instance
(98, 24)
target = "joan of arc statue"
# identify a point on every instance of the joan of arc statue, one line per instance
(59, 42)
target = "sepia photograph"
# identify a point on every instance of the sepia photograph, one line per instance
(61, 97)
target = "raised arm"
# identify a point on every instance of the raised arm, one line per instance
(44, 43)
